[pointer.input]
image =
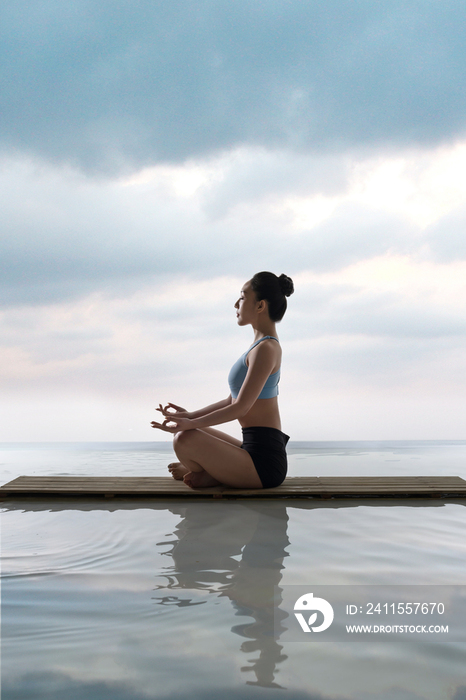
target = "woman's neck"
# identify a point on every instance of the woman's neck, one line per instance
(264, 330)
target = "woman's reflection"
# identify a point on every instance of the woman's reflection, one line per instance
(236, 550)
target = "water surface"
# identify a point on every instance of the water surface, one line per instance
(155, 598)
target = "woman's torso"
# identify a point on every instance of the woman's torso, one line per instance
(264, 412)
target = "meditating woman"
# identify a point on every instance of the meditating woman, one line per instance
(209, 457)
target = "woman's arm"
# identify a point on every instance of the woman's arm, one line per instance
(183, 413)
(262, 360)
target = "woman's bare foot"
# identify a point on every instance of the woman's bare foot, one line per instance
(199, 480)
(177, 470)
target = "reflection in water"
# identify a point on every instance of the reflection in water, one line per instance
(232, 550)
(235, 550)
(174, 600)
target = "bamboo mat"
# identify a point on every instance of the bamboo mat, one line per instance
(297, 487)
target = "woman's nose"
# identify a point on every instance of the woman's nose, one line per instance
(236, 304)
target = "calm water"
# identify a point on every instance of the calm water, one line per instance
(133, 600)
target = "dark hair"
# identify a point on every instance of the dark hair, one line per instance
(274, 290)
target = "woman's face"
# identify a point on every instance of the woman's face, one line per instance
(246, 305)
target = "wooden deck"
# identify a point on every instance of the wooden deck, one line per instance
(293, 487)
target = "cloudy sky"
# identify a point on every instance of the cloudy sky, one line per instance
(154, 155)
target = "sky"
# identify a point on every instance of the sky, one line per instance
(154, 155)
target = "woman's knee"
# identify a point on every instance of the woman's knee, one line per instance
(182, 438)
(177, 439)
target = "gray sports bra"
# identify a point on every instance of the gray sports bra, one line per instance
(240, 369)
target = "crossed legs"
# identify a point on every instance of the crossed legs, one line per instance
(209, 457)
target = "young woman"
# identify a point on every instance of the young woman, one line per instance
(209, 457)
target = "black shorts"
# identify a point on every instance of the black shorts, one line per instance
(267, 447)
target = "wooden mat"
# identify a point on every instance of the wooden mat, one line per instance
(297, 487)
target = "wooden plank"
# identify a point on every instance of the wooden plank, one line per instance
(297, 486)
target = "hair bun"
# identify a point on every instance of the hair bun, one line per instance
(286, 285)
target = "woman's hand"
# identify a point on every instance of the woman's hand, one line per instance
(171, 410)
(173, 425)
(176, 419)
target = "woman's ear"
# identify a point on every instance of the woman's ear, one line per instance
(261, 306)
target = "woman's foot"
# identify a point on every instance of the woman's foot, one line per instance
(177, 470)
(200, 480)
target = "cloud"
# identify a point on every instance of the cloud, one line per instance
(116, 86)
(446, 239)
(155, 155)
(358, 362)
(248, 175)
(389, 296)
(149, 338)
(66, 236)
(375, 322)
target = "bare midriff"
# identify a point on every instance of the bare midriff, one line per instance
(264, 412)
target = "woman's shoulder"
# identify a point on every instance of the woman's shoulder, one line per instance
(267, 347)
(266, 340)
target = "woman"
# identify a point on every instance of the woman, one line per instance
(209, 457)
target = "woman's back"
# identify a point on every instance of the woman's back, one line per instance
(264, 411)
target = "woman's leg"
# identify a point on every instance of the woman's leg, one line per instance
(211, 460)
(178, 470)
(222, 436)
